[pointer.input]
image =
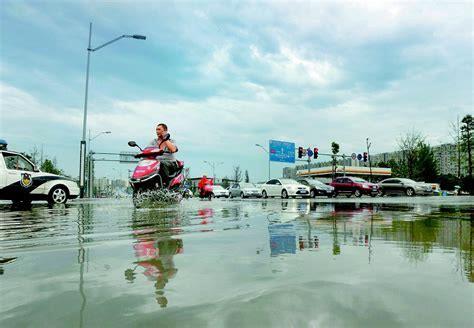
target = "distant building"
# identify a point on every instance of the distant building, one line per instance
(446, 158)
(325, 173)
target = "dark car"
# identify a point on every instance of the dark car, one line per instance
(354, 186)
(404, 186)
(317, 188)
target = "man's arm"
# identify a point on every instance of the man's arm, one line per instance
(170, 146)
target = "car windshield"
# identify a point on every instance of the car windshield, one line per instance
(247, 185)
(359, 180)
(288, 181)
(316, 182)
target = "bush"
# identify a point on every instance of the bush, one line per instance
(467, 184)
(448, 181)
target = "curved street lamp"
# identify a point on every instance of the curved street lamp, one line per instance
(82, 159)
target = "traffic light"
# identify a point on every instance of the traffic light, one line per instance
(300, 152)
(365, 157)
(315, 153)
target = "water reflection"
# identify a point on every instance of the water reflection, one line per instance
(154, 248)
(417, 229)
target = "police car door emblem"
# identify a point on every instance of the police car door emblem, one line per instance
(26, 180)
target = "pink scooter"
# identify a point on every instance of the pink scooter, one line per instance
(147, 175)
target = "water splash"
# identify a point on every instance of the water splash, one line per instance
(157, 198)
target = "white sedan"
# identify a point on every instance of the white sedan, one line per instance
(284, 188)
(219, 191)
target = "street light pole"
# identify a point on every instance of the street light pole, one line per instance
(258, 145)
(82, 159)
(213, 166)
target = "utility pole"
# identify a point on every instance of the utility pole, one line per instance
(368, 157)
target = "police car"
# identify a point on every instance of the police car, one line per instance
(22, 181)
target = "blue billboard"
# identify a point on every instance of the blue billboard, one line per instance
(282, 151)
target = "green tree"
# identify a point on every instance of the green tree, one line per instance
(50, 166)
(425, 167)
(467, 140)
(467, 143)
(398, 168)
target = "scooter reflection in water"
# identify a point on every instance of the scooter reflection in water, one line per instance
(154, 250)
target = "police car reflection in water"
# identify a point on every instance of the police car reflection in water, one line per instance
(154, 250)
(22, 182)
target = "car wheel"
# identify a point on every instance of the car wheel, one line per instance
(348, 195)
(58, 195)
(312, 193)
(264, 194)
(380, 193)
(357, 193)
(335, 194)
(410, 192)
(242, 195)
(284, 194)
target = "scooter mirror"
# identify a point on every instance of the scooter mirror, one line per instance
(132, 143)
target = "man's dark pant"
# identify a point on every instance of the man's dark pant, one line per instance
(167, 168)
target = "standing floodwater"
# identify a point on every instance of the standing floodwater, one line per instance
(238, 263)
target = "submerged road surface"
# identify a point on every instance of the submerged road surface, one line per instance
(233, 263)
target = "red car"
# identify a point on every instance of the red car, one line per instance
(354, 186)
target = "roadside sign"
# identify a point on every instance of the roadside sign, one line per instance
(354, 156)
(359, 157)
(128, 157)
(282, 151)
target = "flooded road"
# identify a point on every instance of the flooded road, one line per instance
(233, 263)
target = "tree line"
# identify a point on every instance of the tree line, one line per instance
(417, 159)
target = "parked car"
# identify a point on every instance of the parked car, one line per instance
(404, 186)
(244, 190)
(317, 188)
(284, 188)
(219, 191)
(22, 182)
(354, 186)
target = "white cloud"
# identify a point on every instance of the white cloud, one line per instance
(288, 66)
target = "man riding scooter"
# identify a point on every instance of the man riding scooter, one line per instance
(168, 145)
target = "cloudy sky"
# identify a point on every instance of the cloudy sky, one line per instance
(227, 75)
